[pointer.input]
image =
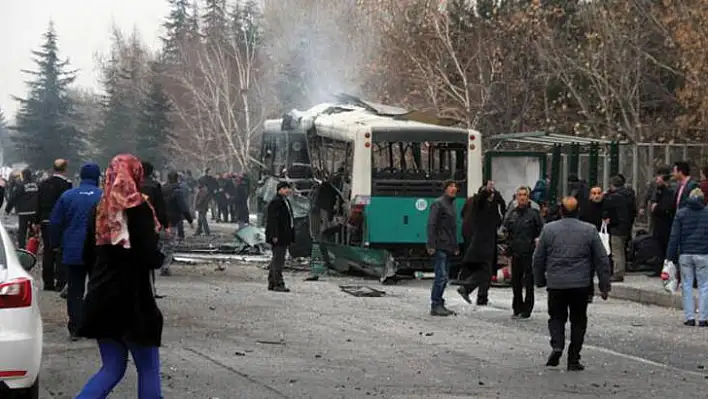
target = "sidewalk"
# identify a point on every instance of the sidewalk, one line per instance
(642, 289)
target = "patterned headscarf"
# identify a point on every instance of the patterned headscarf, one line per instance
(123, 178)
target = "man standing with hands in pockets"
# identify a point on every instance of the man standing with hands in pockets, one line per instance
(442, 244)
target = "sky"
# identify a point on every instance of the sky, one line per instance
(83, 28)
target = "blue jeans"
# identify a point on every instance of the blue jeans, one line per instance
(442, 275)
(694, 266)
(114, 356)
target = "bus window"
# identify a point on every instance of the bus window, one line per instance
(400, 167)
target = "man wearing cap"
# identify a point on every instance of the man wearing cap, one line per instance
(569, 251)
(53, 273)
(280, 233)
(442, 244)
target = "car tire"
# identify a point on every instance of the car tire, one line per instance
(29, 393)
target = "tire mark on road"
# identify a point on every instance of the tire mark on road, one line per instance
(235, 371)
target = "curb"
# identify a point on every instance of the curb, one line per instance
(656, 298)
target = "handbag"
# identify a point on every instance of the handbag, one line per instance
(605, 238)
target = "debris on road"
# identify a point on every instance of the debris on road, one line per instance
(362, 291)
(265, 342)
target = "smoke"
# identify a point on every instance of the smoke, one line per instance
(317, 48)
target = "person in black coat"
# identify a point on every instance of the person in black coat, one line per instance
(662, 212)
(481, 219)
(616, 213)
(280, 232)
(591, 211)
(119, 308)
(23, 198)
(153, 189)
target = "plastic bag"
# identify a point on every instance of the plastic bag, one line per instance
(669, 276)
(605, 238)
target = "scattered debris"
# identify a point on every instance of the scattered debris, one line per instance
(313, 278)
(265, 342)
(362, 291)
(237, 353)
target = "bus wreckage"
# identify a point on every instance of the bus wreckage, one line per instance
(369, 174)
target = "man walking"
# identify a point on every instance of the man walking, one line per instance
(568, 253)
(280, 232)
(442, 244)
(67, 225)
(523, 225)
(48, 194)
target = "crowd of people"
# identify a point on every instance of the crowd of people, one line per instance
(115, 230)
(560, 245)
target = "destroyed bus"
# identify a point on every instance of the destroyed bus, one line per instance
(378, 173)
(284, 157)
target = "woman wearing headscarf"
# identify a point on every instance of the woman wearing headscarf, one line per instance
(120, 311)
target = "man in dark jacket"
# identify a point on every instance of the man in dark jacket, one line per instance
(568, 253)
(592, 211)
(280, 232)
(481, 218)
(241, 201)
(49, 192)
(684, 184)
(662, 212)
(230, 191)
(153, 189)
(68, 224)
(201, 205)
(442, 243)
(523, 225)
(23, 198)
(212, 186)
(177, 211)
(615, 212)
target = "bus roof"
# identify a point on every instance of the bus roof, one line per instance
(344, 122)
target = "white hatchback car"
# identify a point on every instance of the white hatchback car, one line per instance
(21, 330)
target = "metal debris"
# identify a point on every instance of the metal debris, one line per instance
(362, 291)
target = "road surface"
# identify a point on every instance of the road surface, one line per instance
(227, 337)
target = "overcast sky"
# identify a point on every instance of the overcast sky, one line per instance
(83, 27)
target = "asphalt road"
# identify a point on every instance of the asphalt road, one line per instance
(227, 337)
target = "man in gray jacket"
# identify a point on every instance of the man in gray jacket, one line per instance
(568, 253)
(442, 244)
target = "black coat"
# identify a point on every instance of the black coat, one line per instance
(591, 212)
(485, 219)
(663, 215)
(153, 190)
(49, 192)
(616, 207)
(119, 301)
(279, 222)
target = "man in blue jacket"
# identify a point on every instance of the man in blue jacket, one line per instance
(68, 224)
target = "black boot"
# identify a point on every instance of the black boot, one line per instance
(554, 358)
(440, 311)
(464, 294)
(574, 363)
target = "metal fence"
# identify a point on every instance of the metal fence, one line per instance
(638, 163)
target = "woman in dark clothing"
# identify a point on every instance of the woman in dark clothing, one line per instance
(481, 219)
(120, 309)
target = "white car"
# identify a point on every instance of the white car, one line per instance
(21, 330)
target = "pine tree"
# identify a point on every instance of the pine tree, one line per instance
(215, 21)
(124, 78)
(42, 120)
(177, 27)
(154, 124)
